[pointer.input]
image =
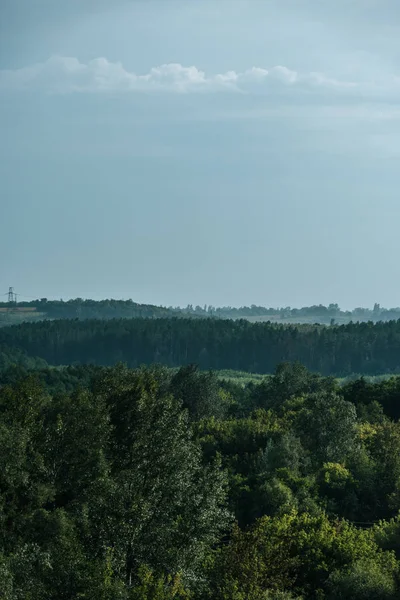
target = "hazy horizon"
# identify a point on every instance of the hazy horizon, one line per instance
(23, 299)
(232, 153)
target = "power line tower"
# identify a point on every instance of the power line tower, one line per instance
(12, 296)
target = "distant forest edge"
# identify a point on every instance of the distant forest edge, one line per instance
(340, 350)
(79, 308)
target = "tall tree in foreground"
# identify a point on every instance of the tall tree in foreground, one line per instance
(104, 494)
(162, 508)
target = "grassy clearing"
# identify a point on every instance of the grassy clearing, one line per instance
(244, 378)
(240, 377)
(17, 317)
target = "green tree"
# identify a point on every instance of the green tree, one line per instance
(365, 580)
(326, 426)
(163, 508)
(200, 393)
(295, 552)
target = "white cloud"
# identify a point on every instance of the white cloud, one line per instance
(60, 74)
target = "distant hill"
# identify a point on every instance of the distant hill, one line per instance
(82, 310)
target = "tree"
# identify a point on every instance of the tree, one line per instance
(199, 392)
(365, 580)
(299, 552)
(290, 380)
(161, 506)
(326, 426)
(75, 436)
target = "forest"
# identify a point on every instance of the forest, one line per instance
(157, 483)
(135, 465)
(339, 350)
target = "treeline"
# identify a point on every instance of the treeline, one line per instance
(212, 343)
(157, 485)
(93, 309)
(118, 309)
(317, 313)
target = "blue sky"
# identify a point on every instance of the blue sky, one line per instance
(176, 151)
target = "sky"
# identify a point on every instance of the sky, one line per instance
(191, 151)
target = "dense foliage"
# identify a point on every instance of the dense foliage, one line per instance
(10, 357)
(157, 484)
(212, 343)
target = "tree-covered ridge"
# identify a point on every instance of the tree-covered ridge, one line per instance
(154, 484)
(79, 308)
(212, 343)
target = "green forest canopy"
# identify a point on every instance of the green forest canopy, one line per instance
(152, 484)
(170, 481)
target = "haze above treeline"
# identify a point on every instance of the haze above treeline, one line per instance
(110, 308)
